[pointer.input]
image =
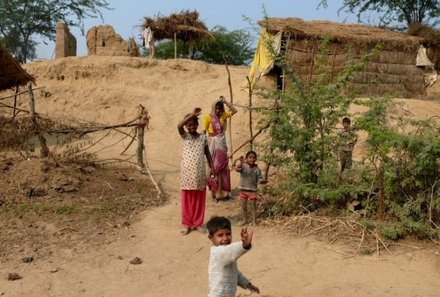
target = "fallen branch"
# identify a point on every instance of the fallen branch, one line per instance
(332, 249)
(317, 229)
(147, 168)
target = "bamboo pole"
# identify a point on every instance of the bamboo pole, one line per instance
(44, 151)
(232, 102)
(251, 132)
(175, 45)
(249, 140)
(14, 111)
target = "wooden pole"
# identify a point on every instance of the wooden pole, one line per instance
(266, 171)
(175, 45)
(14, 111)
(232, 102)
(143, 122)
(251, 132)
(249, 140)
(44, 151)
(141, 146)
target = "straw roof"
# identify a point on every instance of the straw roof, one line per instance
(186, 25)
(345, 33)
(11, 73)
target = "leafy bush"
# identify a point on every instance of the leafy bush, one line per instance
(398, 179)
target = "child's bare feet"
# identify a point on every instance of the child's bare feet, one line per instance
(185, 231)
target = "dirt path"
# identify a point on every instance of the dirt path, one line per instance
(177, 266)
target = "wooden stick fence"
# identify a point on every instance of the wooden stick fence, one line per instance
(140, 123)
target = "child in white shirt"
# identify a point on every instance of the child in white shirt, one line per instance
(224, 275)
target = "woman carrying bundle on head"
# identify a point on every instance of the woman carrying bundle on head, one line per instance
(214, 124)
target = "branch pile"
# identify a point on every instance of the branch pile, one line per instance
(186, 25)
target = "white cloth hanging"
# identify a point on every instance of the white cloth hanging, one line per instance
(148, 37)
(423, 61)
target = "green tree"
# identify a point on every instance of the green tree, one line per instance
(393, 12)
(21, 21)
(235, 45)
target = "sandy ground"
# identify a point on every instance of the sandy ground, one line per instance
(104, 89)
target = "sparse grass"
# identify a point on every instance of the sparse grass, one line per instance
(65, 209)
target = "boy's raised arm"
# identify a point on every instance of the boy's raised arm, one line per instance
(246, 237)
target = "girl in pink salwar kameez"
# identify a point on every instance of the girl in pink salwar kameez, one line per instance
(193, 173)
(215, 124)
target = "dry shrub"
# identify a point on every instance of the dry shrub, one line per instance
(15, 132)
(133, 48)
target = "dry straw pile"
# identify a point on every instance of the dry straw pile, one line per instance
(184, 26)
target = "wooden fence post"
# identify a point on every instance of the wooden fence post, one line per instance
(175, 45)
(251, 131)
(232, 102)
(141, 146)
(14, 111)
(44, 151)
(143, 122)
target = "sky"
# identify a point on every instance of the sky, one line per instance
(127, 15)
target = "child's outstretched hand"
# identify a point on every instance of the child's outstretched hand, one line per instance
(253, 288)
(246, 237)
(239, 162)
(197, 111)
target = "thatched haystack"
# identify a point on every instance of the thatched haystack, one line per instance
(394, 69)
(11, 73)
(432, 41)
(184, 26)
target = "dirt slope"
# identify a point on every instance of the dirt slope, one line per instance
(107, 90)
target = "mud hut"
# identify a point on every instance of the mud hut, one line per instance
(394, 69)
(11, 73)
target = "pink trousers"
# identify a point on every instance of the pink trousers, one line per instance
(193, 208)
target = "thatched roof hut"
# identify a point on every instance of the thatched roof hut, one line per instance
(394, 69)
(11, 73)
(184, 26)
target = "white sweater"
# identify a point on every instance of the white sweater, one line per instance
(224, 275)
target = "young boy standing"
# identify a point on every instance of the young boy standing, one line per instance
(224, 275)
(348, 140)
(250, 177)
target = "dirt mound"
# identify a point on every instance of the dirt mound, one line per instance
(47, 200)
